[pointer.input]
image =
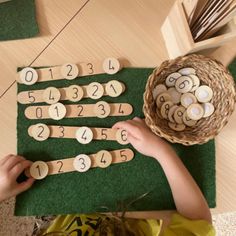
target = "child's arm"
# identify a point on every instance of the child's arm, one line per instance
(188, 198)
(11, 167)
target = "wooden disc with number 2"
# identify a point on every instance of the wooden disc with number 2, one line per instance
(103, 159)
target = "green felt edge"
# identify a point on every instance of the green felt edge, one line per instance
(18, 20)
(84, 193)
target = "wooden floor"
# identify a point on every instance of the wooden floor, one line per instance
(79, 30)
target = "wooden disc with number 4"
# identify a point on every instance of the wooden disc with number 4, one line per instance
(51, 95)
(69, 71)
(111, 65)
(84, 135)
(114, 88)
(103, 158)
(82, 163)
(40, 132)
(39, 170)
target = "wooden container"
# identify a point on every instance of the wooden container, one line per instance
(178, 37)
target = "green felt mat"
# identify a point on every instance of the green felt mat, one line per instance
(17, 20)
(85, 192)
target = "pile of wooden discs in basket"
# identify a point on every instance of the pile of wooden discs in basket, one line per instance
(182, 100)
(188, 100)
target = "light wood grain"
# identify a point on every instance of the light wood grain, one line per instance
(122, 29)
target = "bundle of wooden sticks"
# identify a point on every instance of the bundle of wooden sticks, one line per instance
(206, 17)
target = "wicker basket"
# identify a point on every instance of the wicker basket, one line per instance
(211, 73)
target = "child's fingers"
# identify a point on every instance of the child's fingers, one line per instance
(132, 139)
(129, 126)
(24, 186)
(139, 120)
(4, 159)
(12, 161)
(19, 168)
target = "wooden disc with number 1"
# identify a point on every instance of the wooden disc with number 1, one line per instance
(39, 170)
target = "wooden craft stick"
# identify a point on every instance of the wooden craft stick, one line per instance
(69, 71)
(100, 109)
(66, 165)
(71, 93)
(57, 131)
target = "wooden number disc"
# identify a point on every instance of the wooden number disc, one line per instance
(187, 121)
(160, 88)
(51, 95)
(187, 99)
(175, 95)
(114, 88)
(57, 111)
(165, 108)
(122, 136)
(103, 159)
(195, 111)
(111, 65)
(69, 71)
(176, 127)
(204, 93)
(187, 71)
(178, 115)
(82, 163)
(208, 109)
(171, 79)
(184, 84)
(39, 170)
(28, 76)
(196, 82)
(162, 98)
(84, 135)
(74, 93)
(102, 109)
(171, 113)
(40, 132)
(95, 90)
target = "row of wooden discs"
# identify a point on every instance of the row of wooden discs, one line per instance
(75, 93)
(182, 100)
(81, 163)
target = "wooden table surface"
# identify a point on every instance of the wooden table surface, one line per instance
(80, 30)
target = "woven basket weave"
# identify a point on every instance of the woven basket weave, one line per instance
(211, 73)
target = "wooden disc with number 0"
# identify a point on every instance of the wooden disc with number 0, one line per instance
(28, 76)
(69, 71)
(57, 111)
(82, 163)
(111, 65)
(122, 136)
(74, 93)
(39, 170)
(102, 109)
(40, 132)
(51, 95)
(95, 90)
(103, 159)
(114, 88)
(84, 135)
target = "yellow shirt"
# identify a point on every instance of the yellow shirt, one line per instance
(73, 225)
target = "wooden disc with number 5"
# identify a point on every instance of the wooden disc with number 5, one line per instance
(103, 158)
(82, 163)
(40, 132)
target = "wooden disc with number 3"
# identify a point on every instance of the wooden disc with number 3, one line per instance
(82, 163)
(74, 93)
(103, 159)
(102, 109)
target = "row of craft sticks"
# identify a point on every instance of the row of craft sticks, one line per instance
(84, 135)
(81, 163)
(58, 111)
(70, 71)
(72, 93)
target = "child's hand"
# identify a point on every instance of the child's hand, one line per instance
(11, 167)
(142, 138)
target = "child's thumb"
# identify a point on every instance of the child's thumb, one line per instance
(24, 185)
